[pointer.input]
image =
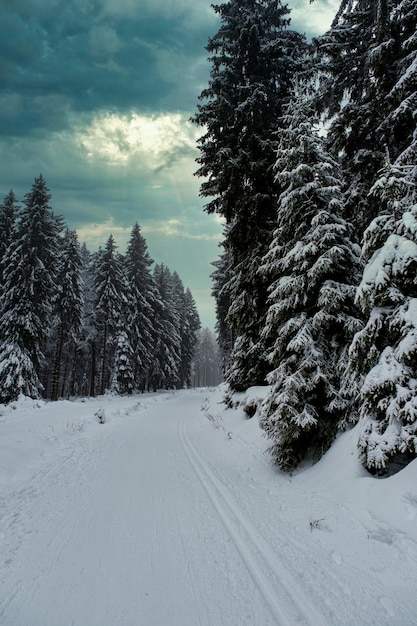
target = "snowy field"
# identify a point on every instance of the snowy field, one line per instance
(170, 514)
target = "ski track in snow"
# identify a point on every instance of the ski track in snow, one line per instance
(163, 517)
(354, 570)
(286, 600)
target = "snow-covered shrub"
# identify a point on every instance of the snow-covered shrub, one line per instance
(101, 416)
(123, 368)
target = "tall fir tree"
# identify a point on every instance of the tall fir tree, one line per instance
(360, 55)
(29, 271)
(67, 316)
(8, 213)
(190, 324)
(383, 356)
(164, 373)
(86, 361)
(110, 302)
(253, 58)
(313, 267)
(142, 297)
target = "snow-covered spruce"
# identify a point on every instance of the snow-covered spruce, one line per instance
(8, 213)
(313, 267)
(29, 285)
(360, 58)
(164, 367)
(143, 295)
(17, 374)
(383, 356)
(253, 57)
(67, 312)
(109, 309)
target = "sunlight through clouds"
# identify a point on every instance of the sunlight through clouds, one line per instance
(95, 235)
(176, 228)
(155, 140)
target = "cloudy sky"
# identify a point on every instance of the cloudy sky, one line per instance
(96, 95)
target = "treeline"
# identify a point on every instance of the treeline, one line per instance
(74, 322)
(309, 154)
(207, 366)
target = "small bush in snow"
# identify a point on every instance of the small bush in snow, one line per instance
(315, 523)
(101, 416)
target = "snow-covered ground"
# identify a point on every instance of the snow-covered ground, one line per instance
(170, 513)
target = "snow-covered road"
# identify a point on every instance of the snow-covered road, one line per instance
(169, 515)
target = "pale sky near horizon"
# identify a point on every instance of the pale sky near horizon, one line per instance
(96, 95)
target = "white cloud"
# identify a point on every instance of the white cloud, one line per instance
(178, 228)
(95, 235)
(154, 140)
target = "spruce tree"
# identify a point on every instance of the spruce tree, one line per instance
(86, 358)
(17, 374)
(253, 58)
(359, 62)
(110, 302)
(142, 297)
(313, 267)
(8, 214)
(382, 367)
(68, 309)
(164, 372)
(190, 325)
(29, 271)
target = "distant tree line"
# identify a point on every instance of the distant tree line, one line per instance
(207, 367)
(309, 154)
(76, 323)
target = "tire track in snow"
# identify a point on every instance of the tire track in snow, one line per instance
(287, 602)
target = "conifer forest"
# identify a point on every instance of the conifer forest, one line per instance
(308, 153)
(75, 323)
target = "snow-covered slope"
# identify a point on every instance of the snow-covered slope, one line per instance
(171, 513)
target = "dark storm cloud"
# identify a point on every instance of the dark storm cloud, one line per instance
(58, 57)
